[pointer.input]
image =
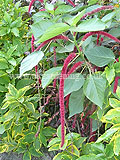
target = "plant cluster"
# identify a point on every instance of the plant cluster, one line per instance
(75, 52)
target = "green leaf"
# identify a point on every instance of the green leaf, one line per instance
(7, 17)
(100, 56)
(61, 156)
(118, 92)
(49, 75)
(76, 19)
(30, 61)
(3, 63)
(23, 83)
(110, 74)
(108, 17)
(29, 138)
(34, 152)
(108, 133)
(54, 147)
(73, 150)
(40, 27)
(88, 157)
(49, 8)
(109, 150)
(12, 90)
(66, 48)
(59, 131)
(94, 89)
(37, 144)
(16, 23)
(73, 83)
(53, 31)
(89, 25)
(62, 9)
(114, 102)
(112, 113)
(30, 106)
(27, 156)
(22, 91)
(54, 141)
(76, 102)
(15, 31)
(117, 145)
(2, 128)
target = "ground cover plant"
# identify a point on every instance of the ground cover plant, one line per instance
(70, 101)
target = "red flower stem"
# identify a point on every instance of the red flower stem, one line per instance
(98, 36)
(116, 84)
(96, 10)
(74, 121)
(100, 33)
(71, 3)
(31, 3)
(74, 67)
(67, 100)
(61, 95)
(55, 64)
(101, 40)
(54, 38)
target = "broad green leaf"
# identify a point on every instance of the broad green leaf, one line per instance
(3, 63)
(34, 152)
(73, 150)
(62, 9)
(12, 90)
(110, 74)
(108, 133)
(94, 89)
(17, 130)
(37, 143)
(59, 131)
(100, 56)
(54, 141)
(108, 17)
(53, 31)
(40, 15)
(61, 156)
(76, 102)
(27, 156)
(76, 19)
(117, 145)
(48, 131)
(118, 92)
(66, 48)
(88, 157)
(23, 83)
(16, 23)
(29, 138)
(54, 147)
(15, 31)
(30, 61)
(40, 27)
(49, 7)
(93, 24)
(114, 102)
(73, 83)
(12, 61)
(30, 106)
(3, 88)
(64, 146)
(22, 91)
(50, 75)
(2, 128)
(109, 150)
(3, 148)
(78, 141)
(112, 113)
(43, 139)
(7, 17)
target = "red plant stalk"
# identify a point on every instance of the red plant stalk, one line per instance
(74, 121)
(101, 40)
(55, 64)
(61, 91)
(67, 100)
(51, 39)
(98, 36)
(31, 3)
(61, 95)
(100, 33)
(116, 84)
(96, 10)
(33, 49)
(71, 3)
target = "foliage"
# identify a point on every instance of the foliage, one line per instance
(74, 52)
